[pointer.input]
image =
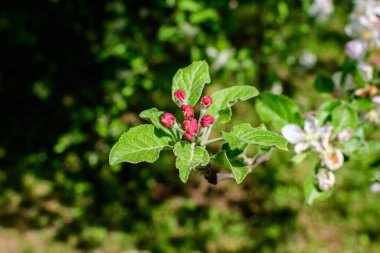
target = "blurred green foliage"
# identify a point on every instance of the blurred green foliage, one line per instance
(74, 76)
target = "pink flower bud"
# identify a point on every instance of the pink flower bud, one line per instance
(206, 101)
(207, 120)
(191, 126)
(167, 119)
(180, 95)
(188, 111)
(345, 135)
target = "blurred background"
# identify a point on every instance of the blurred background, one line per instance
(74, 75)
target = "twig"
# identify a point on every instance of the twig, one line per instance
(223, 176)
(260, 160)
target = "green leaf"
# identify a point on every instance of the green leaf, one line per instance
(140, 144)
(153, 116)
(312, 193)
(204, 15)
(224, 99)
(367, 152)
(189, 157)
(344, 117)
(325, 110)
(363, 104)
(231, 153)
(278, 109)
(324, 83)
(191, 80)
(246, 134)
(237, 167)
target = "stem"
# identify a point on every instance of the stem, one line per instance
(208, 132)
(202, 113)
(201, 131)
(176, 127)
(248, 161)
(260, 160)
(213, 140)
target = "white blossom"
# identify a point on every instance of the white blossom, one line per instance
(189, 29)
(220, 58)
(375, 187)
(277, 88)
(356, 49)
(325, 179)
(333, 158)
(308, 59)
(321, 9)
(317, 138)
(376, 99)
(347, 83)
(366, 71)
(372, 116)
(303, 138)
(325, 135)
(293, 133)
(365, 22)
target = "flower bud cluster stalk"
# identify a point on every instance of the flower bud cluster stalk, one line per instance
(190, 126)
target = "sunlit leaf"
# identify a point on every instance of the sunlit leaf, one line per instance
(325, 110)
(344, 117)
(224, 99)
(238, 168)
(189, 157)
(246, 134)
(191, 80)
(153, 116)
(140, 144)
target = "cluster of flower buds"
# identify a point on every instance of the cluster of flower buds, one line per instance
(318, 139)
(190, 125)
